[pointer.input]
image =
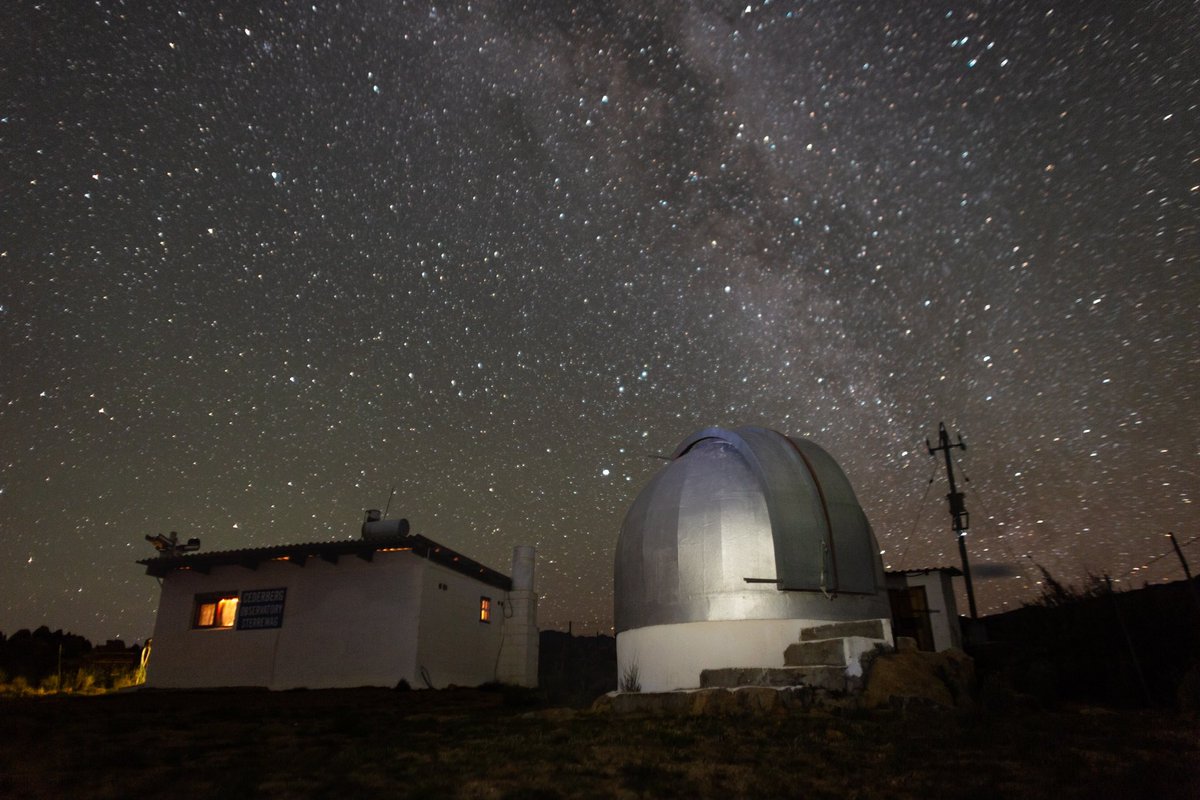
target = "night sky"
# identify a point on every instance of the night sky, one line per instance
(262, 262)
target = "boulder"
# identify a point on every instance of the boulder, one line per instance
(916, 677)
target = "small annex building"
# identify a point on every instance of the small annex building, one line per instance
(387, 608)
(745, 543)
(925, 607)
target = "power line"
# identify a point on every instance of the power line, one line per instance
(1156, 558)
(988, 515)
(920, 509)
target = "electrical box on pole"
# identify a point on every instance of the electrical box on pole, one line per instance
(958, 507)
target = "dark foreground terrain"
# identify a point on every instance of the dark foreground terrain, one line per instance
(470, 743)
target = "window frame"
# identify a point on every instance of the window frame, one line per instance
(485, 610)
(216, 600)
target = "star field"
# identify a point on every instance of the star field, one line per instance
(262, 262)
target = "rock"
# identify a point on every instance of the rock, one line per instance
(758, 699)
(552, 714)
(900, 679)
(710, 702)
(1187, 695)
(831, 678)
(717, 702)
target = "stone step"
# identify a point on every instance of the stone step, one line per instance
(829, 678)
(869, 628)
(827, 652)
(845, 653)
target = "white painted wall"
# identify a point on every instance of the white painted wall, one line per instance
(352, 624)
(185, 658)
(356, 623)
(453, 646)
(671, 657)
(943, 607)
(943, 604)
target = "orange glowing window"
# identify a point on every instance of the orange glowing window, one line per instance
(485, 609)
(215, 611)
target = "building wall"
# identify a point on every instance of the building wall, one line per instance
(668, 657)
(354, 623)
(943, 604)
(453, 646)
(947, 632)
(182, 657)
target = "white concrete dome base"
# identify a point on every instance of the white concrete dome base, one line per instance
(669, 657)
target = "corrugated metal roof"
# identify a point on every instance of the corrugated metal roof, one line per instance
(953, 571)
(298, 554)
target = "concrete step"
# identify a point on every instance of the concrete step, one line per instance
(869, 628)
(829, 678)
(827, 652)
(845, 653)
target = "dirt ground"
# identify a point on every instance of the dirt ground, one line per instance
(500, 744)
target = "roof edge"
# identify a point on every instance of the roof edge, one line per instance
(299, 554)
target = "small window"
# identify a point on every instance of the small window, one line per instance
(215, 611)
(485, 609)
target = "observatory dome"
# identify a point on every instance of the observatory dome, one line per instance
(747, 524)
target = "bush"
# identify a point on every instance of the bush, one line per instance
(631, 678)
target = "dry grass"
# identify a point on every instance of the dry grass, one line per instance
(464, 743)
(83, 681)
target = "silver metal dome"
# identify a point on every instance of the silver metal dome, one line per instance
(747, 524)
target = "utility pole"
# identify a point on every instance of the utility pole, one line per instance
(958, 509)
(1186, 571)
(1137, 664)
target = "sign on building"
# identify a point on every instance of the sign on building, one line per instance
(261, 608)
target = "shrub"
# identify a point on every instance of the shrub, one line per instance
(630, 678)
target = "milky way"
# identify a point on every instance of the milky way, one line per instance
(260, 265)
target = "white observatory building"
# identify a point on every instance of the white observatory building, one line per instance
(387, 608)
(743, 541)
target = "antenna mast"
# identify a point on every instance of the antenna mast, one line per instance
(958, 509)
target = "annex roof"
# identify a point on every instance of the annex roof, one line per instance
(298, 554)
(953, 572)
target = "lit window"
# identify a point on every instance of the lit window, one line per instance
(485, 609)
(215, 611)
